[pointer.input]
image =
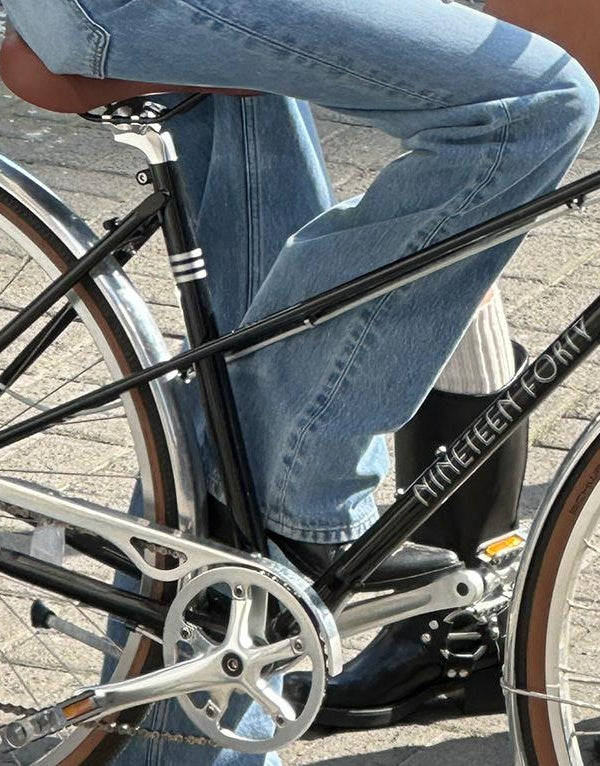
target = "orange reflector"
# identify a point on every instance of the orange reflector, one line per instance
(501, 546)
(79, 707)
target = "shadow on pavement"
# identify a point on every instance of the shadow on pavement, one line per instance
(493, 750)
(446, 722)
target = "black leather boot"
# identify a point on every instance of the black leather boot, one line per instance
(411, 566)
(455, 654)
(486, 505)
(408, 664)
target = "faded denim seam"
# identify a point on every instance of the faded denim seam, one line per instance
(158, 720)
(252, 166)
(432, 99)
(320, 410)
(499, 155)
(100, 40)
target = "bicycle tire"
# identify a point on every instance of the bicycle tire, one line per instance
(547, 619)
(117, 349)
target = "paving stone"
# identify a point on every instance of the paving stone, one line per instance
(517, 291)
(586, 377)
(549, 259)
(553, 309)
(541, 467)
(582, 406)
(575, 227)
(562, 433)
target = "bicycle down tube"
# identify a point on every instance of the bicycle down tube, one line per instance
(460, 459)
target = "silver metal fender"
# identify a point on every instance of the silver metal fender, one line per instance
(137, 322)
(568, 464)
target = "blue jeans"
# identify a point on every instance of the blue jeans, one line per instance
(488, 116)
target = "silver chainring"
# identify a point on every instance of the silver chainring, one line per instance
(246, 661)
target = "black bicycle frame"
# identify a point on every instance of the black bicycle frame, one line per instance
(454, 463)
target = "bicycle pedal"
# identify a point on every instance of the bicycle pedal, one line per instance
(51, 720)
(503, 551)
(43, 617)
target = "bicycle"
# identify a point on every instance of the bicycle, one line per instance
(237, 619)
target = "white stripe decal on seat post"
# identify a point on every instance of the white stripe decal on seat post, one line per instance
(178, 257)
(190, 277)
(188, 266)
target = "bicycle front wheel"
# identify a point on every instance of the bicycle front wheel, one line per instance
(98, 456)
(556, 649)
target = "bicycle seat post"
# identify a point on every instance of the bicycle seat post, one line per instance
(189, 270)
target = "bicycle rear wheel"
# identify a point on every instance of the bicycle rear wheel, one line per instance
(98, 456)
(556, 648)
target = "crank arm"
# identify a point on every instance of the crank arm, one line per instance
(455, 590)
(101, 701)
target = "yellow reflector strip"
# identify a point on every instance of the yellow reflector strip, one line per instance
(501, 546)
(80, 707)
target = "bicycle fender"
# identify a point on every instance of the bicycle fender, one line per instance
(140, 327)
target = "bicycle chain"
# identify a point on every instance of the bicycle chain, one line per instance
(121, 729)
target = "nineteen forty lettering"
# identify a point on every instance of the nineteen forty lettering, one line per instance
(498, 417)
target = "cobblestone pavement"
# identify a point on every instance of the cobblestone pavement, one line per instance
(554, 275)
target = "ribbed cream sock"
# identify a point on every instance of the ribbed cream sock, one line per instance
(484, 360)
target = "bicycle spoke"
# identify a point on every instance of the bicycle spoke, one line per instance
(19, 271)
(78, 421)
(580, 677)
(37, 404)
(37, 471)
(20, 678)
(60, 387)
(42, 341)
(570, 702)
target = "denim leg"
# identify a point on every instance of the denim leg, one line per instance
(383, 359)
(169, 717)
(254, 173)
